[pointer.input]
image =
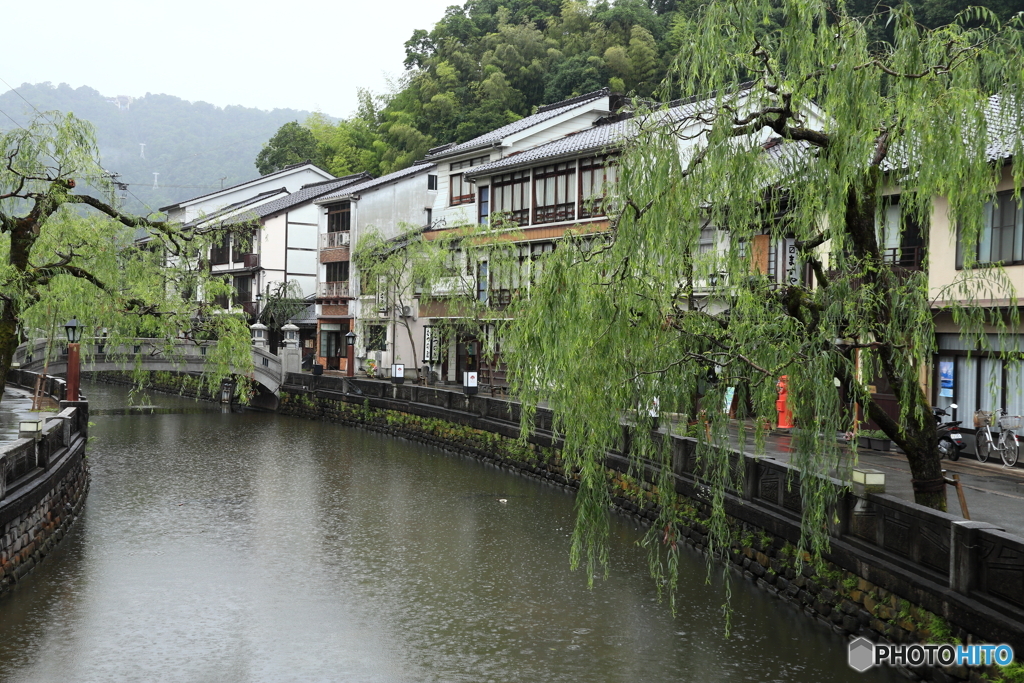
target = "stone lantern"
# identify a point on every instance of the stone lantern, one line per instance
(259, 335)
(291, 336)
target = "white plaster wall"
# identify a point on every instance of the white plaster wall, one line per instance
(292, 181)
(396, 206)
(272, 243)
(301, 235)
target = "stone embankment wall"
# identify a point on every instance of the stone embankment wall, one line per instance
(182, 384)
(891, 575)
(43, 485)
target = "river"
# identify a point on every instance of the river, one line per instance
(224, 546)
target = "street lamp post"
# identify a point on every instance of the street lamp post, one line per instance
(350, 354)
(74, 333)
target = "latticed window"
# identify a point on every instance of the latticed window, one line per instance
(510, 196)
(554, 191)
(531, 259)
(460, 189)
(339, 217)
(337, 271)
(598, 176)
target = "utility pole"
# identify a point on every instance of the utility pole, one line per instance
(155, 174)
(122, 189)
(142, 150)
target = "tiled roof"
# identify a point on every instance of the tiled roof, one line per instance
(597, 138)
(364, 186)
(225, 210)
(305, 194)
(594, 139)
(232, 187)
(544, 113)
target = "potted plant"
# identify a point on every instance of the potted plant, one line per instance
(879, 440)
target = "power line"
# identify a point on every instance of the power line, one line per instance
(13, 121)
(15, 91)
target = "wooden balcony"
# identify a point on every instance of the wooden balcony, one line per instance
(335, 240)
(332, 290)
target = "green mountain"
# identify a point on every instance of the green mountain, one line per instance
(489, 62)
(195, 147)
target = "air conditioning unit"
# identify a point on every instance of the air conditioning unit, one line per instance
(377, 355)
(408, 312)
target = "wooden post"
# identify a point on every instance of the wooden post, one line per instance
(955, 481)
(74, 368)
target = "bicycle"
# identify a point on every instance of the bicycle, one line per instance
(1007, 443)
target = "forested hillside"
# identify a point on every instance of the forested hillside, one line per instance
(490, 62)
(194, 146)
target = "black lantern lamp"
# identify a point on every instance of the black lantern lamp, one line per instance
(73, 330)
(350, 354)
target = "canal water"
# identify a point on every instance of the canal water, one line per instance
(219, 546)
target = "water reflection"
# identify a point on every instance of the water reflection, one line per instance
(250, 547)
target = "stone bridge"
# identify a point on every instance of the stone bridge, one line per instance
(154, 355)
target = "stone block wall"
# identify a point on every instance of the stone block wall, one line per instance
(31, 535)
(43, 485)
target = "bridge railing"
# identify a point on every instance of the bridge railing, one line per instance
(182, 355)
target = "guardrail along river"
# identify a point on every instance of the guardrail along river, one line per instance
(219, 546)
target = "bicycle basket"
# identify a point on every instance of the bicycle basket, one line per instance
(1010, 422)
(982, 418)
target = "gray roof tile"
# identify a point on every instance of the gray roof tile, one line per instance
(598, 138)
(374, 183)
(498, 134)
(305, 194)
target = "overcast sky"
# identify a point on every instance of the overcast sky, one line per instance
(301, 55)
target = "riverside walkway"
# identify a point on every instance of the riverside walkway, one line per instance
(994, 493)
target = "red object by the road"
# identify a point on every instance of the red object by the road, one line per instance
(781, 405)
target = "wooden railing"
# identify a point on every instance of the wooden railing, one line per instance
(332, 290)
(555, 213)
(334, 240)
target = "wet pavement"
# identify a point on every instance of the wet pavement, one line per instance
(994, 493)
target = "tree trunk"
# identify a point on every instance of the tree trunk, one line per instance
(22, 239)
(917, 437)
(8, 342)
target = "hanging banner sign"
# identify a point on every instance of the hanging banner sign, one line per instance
(792, 265)
(431, 345)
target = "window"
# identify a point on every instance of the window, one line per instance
(530, 259)
(241, 244)
(430, 217)
(508, 196)
(554, 192)
(453, 263)
(376, 338)
(431, 182)
(485, 204)
(337, 272)
(339, 217)
(482, 282)
(461, 190)
(243, 289)
(598, 177)
(1002, 235)
(219, 252)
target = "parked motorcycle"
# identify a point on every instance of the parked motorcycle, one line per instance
(951, 442)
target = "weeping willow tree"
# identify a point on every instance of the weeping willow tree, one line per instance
(796, 138)
(66, 253)
(439, 273)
